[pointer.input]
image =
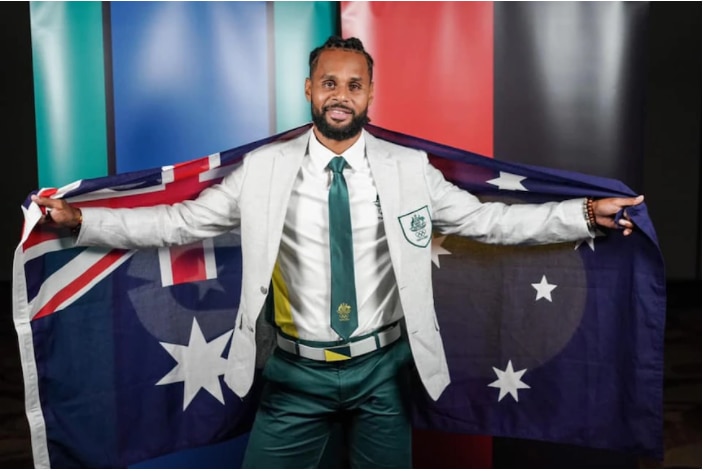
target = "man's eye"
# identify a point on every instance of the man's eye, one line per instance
(355, 86)
(329, 84)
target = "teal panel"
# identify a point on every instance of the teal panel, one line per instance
(69, 90)
(299, 28)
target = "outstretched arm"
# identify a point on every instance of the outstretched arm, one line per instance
(605, 210)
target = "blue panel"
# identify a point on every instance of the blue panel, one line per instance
(190, 79)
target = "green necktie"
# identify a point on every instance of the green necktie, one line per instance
(344, 308)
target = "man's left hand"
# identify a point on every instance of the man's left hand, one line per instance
(605, 210)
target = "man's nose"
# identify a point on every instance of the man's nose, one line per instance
(342, 94)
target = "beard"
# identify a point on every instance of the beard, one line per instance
(339, 133)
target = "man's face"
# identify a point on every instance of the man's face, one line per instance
(340, 91)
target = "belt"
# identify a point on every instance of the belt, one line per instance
(368, 344)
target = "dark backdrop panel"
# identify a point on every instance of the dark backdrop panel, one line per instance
(17, 129)
(569, 86)
(673, 155)
(570, 82)
(19, 154)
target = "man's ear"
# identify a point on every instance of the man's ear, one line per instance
(371, 95)
(307, 89)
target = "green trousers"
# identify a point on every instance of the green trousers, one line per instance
(304, 401)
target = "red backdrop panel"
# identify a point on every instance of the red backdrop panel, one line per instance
(433, 68)
(433, 79)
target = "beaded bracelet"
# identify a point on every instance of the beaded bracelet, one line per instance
(589, 214)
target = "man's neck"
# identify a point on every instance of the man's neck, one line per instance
(337, 147)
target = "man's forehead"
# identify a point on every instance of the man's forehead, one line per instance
(344, 56)
(332, 61)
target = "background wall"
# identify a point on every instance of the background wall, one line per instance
(670, 176)
(673, 141)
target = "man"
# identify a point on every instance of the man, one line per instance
(353, 306)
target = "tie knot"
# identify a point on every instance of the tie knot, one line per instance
(337, 164)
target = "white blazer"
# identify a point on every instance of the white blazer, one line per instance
(414, 198)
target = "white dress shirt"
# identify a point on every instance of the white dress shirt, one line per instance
(302, 275)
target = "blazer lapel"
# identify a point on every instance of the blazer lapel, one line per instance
(386, 175)
(285, 167)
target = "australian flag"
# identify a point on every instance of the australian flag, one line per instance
(124, 351)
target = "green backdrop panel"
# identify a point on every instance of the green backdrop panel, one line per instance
(299, 27)
(67, 49)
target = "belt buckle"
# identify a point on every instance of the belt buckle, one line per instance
(340, 353)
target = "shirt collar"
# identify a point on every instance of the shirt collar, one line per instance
(321, 156)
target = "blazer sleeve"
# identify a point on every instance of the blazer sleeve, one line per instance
(455, 211)
(215, 211)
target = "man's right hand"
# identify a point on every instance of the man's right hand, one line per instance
(59, 212)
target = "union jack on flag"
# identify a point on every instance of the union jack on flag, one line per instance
(124, 351)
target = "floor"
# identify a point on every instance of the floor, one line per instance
(682, 394)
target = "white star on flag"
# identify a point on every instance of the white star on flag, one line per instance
(199, 364)
(588, 241)
(508, 181)
(508, 381)
(209, 285)
(544, 289)
(437, 250)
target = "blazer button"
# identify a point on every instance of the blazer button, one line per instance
(263, 290)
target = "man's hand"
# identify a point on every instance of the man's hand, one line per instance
(605, 210)
(59, 212)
